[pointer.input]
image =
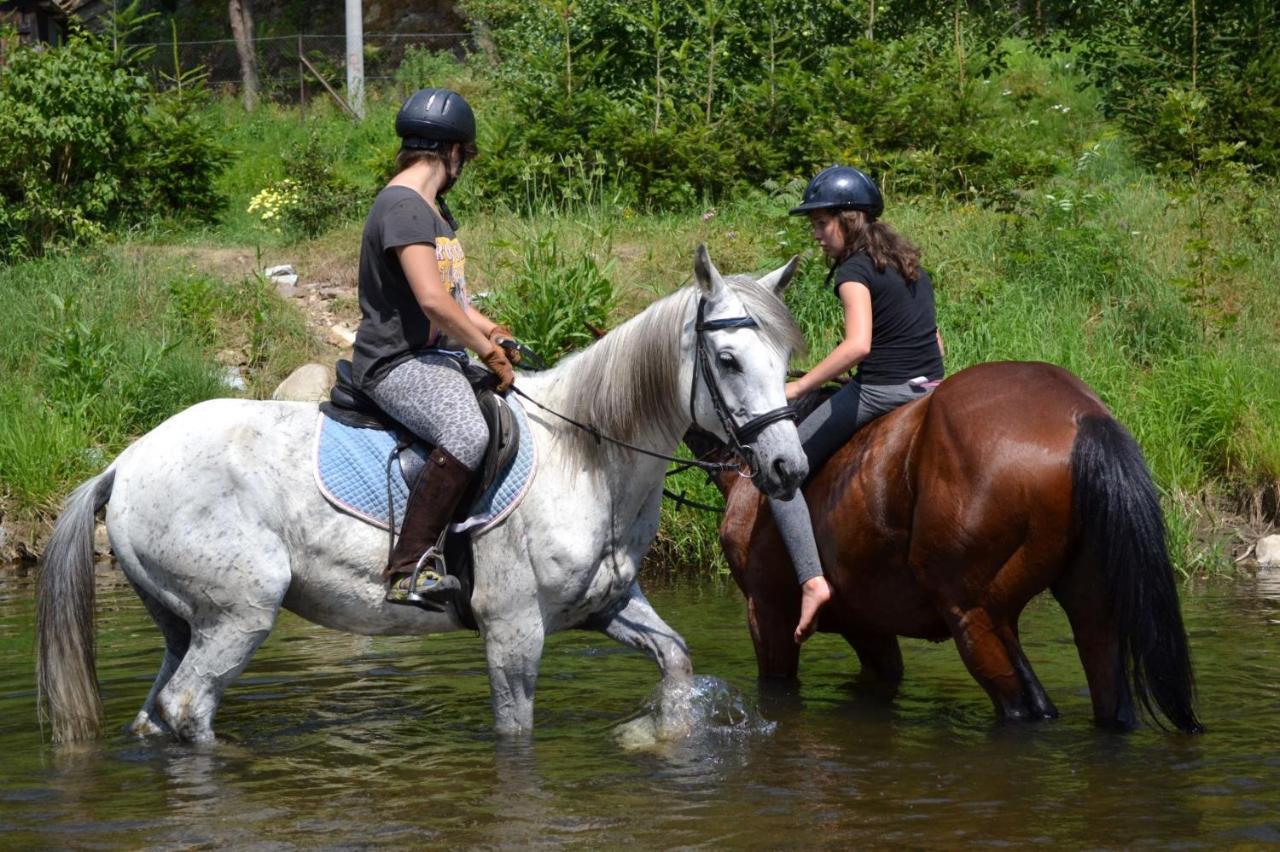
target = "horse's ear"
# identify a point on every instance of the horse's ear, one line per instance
(705, 272)
(778, 279)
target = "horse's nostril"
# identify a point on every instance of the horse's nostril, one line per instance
(780, 468)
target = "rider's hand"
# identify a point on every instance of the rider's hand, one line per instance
(496, 360)
(502, 336)
(794, 391)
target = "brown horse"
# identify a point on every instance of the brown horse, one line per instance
(945, 517)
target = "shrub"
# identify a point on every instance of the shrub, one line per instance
(553, 302)
(86, 143)
(311, 198)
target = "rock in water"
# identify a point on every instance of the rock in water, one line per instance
(308, 383)
(1268, 551)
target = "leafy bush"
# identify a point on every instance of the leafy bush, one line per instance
(1142, 53)
(311, 198)
(86, 143)
(421, 67)
(553, 302)
(690, 104)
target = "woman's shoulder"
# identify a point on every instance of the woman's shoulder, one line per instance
(856, 267)
(395, 195)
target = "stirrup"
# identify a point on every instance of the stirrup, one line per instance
(429, 588)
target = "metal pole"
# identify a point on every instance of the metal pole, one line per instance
(302, 83)
(355, 57)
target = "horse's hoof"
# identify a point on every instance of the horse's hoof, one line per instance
(144, 726)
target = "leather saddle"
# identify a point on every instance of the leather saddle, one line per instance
(352, 407)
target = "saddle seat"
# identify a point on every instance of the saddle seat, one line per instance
(352, 407)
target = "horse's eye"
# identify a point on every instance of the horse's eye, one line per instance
(728, 362)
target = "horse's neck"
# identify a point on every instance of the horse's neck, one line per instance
(629, 385)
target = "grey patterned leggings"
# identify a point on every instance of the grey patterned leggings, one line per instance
(822, 433)
(433, 399)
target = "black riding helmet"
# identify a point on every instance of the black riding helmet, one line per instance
(433, 118)
(841, 188)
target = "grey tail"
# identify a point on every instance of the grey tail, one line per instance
(66, 675)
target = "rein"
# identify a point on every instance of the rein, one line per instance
(709, 467)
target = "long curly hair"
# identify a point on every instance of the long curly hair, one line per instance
(885, 245)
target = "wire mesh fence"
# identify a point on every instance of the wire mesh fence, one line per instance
(284, 76)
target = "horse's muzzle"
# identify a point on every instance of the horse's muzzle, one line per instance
(782, 477)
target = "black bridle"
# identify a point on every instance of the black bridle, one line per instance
(740, 436)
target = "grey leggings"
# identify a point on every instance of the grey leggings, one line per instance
(433, 399)
(823, 432)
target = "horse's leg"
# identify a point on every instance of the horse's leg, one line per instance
(513, 648)
(1037, 700)
(772, 621)
(232, 612)
(177, 638)
(978, 638)
(1082, 595)
(633, 622)
(880, 655)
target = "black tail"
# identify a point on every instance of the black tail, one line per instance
(1116, 504)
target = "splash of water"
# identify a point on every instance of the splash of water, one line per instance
(698, 708)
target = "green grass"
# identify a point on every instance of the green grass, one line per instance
(1093, 270)
(103, 346)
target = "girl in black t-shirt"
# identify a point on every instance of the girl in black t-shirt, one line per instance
(416, 321)
(890, 334)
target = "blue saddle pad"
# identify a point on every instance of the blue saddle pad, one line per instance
(351, 471)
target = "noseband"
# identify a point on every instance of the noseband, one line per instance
(740, 437)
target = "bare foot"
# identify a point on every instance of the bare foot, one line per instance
(815, 592)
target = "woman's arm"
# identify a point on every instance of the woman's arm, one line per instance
(856, 299)
(419, 263)
(480, 321)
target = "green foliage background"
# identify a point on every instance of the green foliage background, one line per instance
(1092, 184)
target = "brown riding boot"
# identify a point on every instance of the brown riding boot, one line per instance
(416, 573)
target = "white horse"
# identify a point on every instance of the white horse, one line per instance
(216, 521)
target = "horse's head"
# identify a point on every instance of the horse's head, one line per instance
(741, 339)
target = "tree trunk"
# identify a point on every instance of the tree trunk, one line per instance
(242, 29)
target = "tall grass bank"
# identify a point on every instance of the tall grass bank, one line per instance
(1053, 229)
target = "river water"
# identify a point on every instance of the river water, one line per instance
(334, 741)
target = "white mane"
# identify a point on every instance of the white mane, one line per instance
(627, 384)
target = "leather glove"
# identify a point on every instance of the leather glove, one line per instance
(502, 336)
(496, 360)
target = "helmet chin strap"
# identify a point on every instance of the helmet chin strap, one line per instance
(450, 177)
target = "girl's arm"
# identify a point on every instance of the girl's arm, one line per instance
(419, 263)
(481, 321)
(856, 299)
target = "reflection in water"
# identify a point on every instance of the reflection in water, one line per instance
(336, 740)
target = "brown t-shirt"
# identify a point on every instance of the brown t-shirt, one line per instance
(392, 325)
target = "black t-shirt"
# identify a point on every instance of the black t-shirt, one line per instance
(392, 324)
(904, 324)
